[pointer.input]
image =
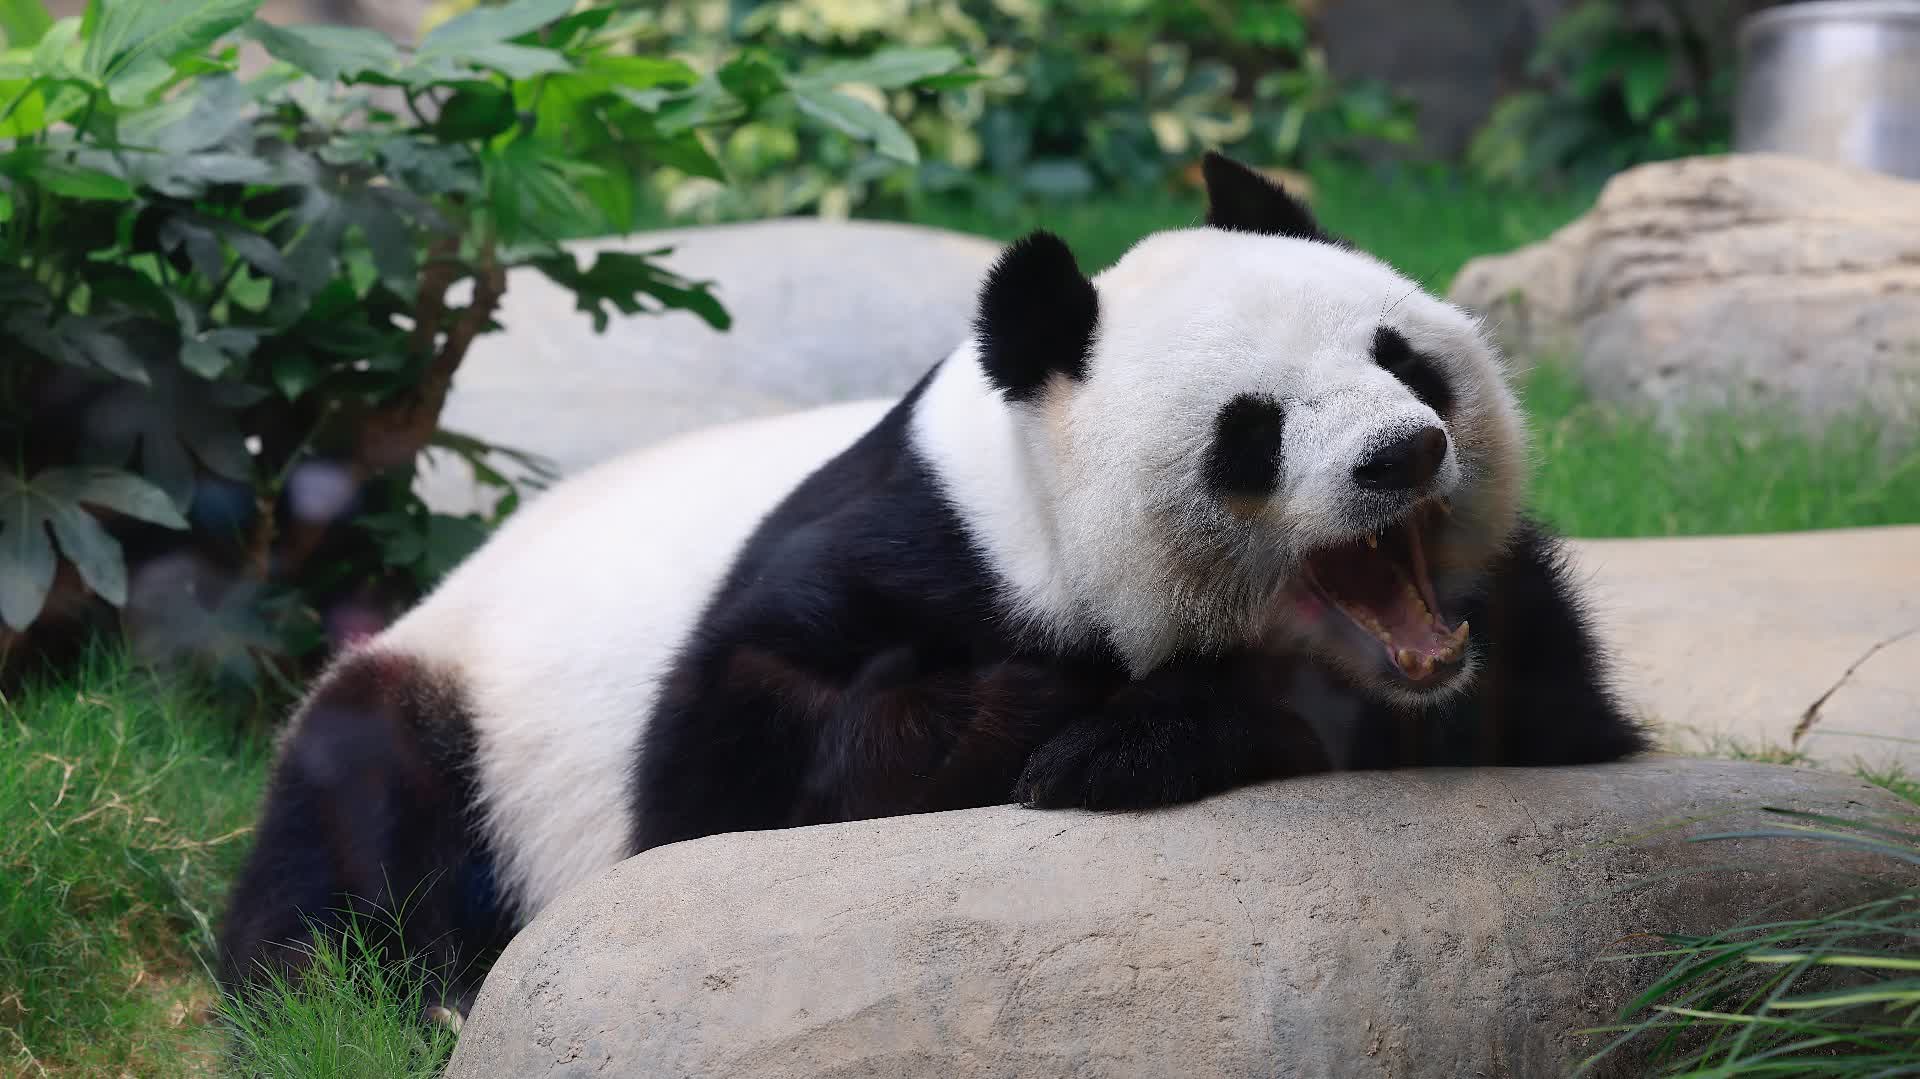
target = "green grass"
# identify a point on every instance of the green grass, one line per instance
(1834, 995)
(123, 814)
(349, 1016)
(1604, 472)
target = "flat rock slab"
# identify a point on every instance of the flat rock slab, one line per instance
(822, 311)
(1806, 641)
(1383, 924)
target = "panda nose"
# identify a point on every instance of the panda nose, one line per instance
(1407, 462)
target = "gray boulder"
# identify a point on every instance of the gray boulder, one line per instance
(822, 312)
(1754, 279)
(1428, 923)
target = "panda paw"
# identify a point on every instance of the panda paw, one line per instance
(1104, 764)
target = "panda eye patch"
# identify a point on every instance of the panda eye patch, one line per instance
(1244, 458)
(1415, 370)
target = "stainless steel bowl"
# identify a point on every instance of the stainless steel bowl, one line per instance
(1837, 80)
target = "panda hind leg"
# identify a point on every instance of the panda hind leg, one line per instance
(366, 828)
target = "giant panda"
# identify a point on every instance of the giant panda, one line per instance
(1247, 504)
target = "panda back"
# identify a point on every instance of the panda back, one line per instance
(560, 628)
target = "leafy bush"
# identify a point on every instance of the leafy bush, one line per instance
(238, 303)
(1075, 96)
(1617, 87)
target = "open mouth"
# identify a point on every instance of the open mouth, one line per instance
(1380, 583)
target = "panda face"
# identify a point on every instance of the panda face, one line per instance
(1260, 438)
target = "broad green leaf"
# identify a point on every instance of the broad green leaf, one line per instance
(28, 115)
(168, 425)
(889, 69)
(59, 52)
(624, 280)
(94, 554)
(76, 182)
(854, 117)
(123, 34)
(516, 61)
(475, 112)
(462, 34)
(23, 22)
(295, 373)
(135, 82)
(212, 353)
(639, 72)
(26, 555)
(103, 348)
(328, 53)
(53, 501)
(114, 489)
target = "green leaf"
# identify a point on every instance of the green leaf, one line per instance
(1644, 82)
(76, 182)
(212, 353)
(639, 72)
(26, 555)
(854, 117)
(328, 53)
(462, 34)
(889, 69)
(295, 373)
(23, 22)
(29, 115)
(53, 500)
(94, 554)
(114, 489)
(623, 280)
(516, 61)
(475, 112)
(124, 35)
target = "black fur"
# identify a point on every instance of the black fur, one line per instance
(1415, 370)
(1544, 692)
(368, 816)
(1241, 200)
(854, 664)
(1037, 316)
(1244, 457)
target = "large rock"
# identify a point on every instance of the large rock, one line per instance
(1806, 642)
(1355, 925)
(1745, 279)
(823, 312)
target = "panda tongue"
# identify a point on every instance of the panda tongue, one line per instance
(1383, 587)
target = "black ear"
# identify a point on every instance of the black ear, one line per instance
(1242, 200)
(1037, 316)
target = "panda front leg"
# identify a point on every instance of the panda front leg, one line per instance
(1191, 728)
(1546, 694)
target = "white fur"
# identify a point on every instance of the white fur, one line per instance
(1088, 499)
(560, 628)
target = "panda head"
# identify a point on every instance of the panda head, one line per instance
(1248, 433)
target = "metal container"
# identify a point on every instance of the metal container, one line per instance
(1837, 80)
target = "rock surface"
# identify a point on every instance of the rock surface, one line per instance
(1433, 923)
(1806, 641)
(1743, 279)
(822, 312)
